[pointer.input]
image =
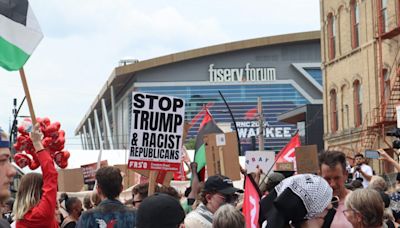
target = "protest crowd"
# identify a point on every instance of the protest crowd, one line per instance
(337, 196)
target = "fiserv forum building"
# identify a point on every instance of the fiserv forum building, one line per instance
(283, 70)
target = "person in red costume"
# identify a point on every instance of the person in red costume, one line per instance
(35, 203)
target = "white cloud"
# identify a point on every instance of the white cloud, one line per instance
(84, 40)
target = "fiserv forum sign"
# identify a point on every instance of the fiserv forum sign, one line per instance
(156, 132)
(245, 74)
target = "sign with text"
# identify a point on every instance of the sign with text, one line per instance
(307, 159)
(156, 132)
(89, 171)
(284, 166)
(263, 159)
(222, 155)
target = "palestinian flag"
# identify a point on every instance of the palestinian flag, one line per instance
(19, 33)
(207, 126)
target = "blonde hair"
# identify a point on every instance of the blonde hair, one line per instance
(28, 195)
(228, 216)
(378, 183)
(369, 204)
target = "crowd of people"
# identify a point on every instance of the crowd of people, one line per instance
(337, 196)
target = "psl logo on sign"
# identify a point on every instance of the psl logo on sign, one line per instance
(156, 132)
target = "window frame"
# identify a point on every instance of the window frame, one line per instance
(357, 96)
(331, 36)
(334, 111)
(355, 24)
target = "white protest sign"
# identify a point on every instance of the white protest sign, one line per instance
(263, 159)
(398, 115)
(156, 132)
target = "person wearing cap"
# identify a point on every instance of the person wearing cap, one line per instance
(7, 172)
(160, 210)
(110, 212)
(332, 165)
(218, 190)
(303, 200)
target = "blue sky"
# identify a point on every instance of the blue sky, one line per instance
(84, 40)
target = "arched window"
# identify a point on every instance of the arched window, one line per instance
(355, 23)
(331, 36)
(334, 113)
(357, 95)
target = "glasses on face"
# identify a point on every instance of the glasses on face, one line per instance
(347, 212)
(231, 199)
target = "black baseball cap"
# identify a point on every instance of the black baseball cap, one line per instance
(159, 210)
(221, 184)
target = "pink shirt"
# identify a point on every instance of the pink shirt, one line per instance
(340, 221)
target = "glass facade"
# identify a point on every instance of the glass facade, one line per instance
(242, 99)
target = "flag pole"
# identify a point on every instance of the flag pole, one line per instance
(234, 122)
(28, 96)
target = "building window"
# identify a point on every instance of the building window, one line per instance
(334, 113)
(331, 36)
(384, 16)
(357, 103)
(355, 22)
(387, 85)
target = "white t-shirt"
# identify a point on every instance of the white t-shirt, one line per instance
(366, 169)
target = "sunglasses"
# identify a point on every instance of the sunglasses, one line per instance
(231, 199)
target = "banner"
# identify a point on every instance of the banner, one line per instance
(156, 132)
(251, 204)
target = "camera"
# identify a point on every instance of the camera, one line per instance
(395, 133)
(358, 168)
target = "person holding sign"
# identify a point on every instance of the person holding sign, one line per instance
(217, 191)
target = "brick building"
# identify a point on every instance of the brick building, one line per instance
(360, 62)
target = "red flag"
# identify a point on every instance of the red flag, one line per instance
(251, 203)
(287, 153)
(251, 114)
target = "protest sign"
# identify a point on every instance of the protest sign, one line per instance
(307, 159)
(263, 159)
(89, 171)
(162, 177)
(156, 132)
(222, 155)
(284, 166)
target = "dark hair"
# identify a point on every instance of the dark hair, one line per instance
(87, 203)
(170, 191)
(332, 158)
(69, 203)
(63, 197)
(109, 180)
(359, 155)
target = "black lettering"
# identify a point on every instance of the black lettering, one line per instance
(178, 121)
(151, 99)
(139, 102)
(145, 139)
(178, 103)
(135, 114)
(178, 138)
(153, 140)
(144, 124)
(160, 140)
(153, 121)
(176, 155)
(161, 103)
(165, 122)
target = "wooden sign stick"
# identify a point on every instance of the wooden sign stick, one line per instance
(28, 96)
(152, 182)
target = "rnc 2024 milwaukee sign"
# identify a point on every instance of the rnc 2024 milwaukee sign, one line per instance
(245, 74)
(156, 132)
